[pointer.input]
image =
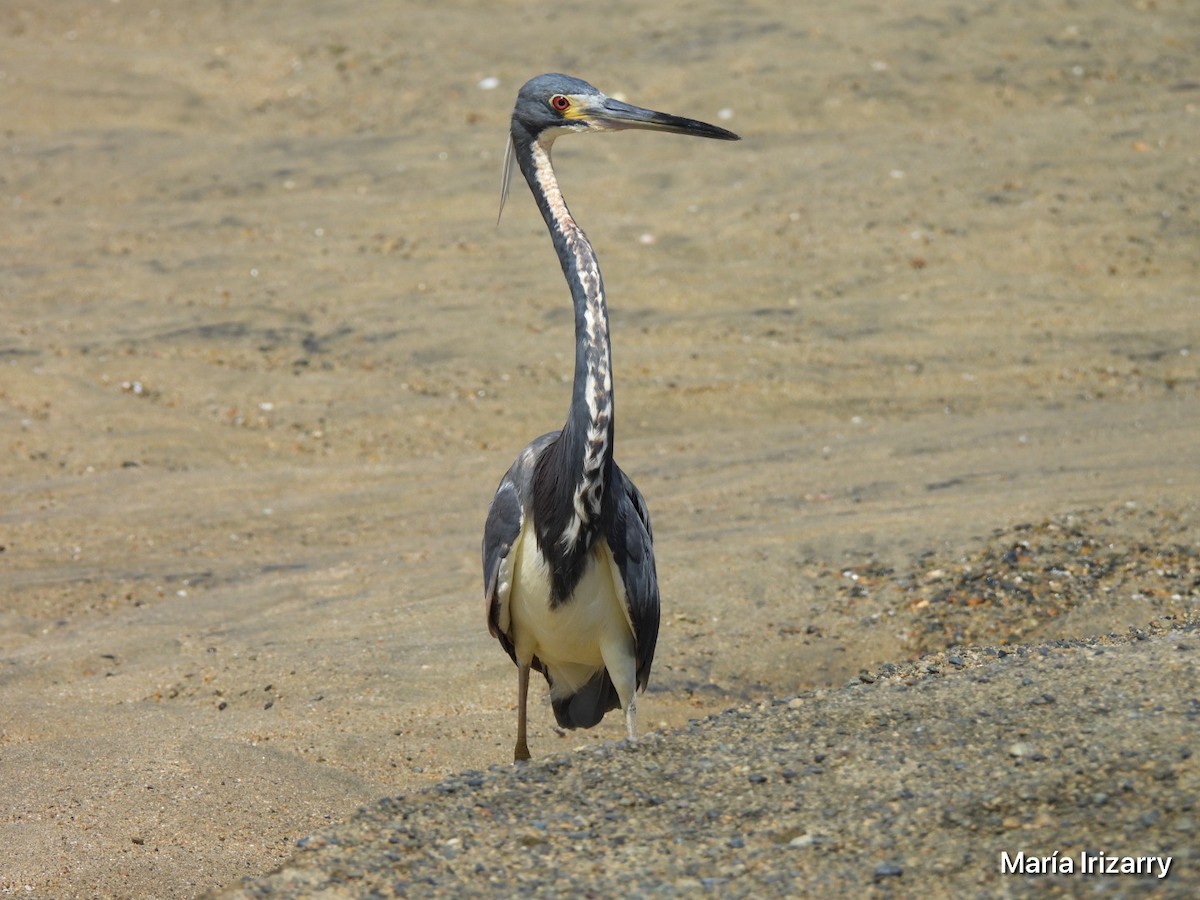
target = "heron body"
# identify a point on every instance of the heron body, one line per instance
(568, 556)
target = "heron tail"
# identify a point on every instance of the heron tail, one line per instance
(587, 706)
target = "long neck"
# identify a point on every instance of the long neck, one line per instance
(583, 454)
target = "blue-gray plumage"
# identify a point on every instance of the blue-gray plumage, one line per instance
(568, 555)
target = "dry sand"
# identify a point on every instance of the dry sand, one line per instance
(265, 354)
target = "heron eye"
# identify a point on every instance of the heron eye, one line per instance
(559, 102)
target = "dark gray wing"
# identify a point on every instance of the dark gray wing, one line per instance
(631, 540)
(505, 517)
(500, 532)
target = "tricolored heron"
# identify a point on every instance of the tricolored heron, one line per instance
(568, 558)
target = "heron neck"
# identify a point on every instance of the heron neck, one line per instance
(587, 438)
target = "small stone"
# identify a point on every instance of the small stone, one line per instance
(888, 870)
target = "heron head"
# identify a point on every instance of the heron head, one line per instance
(550, 105)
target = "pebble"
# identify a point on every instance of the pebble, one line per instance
(888, 870)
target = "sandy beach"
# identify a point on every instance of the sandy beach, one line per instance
(911, 369)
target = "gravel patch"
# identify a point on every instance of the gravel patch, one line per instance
(915, 778)
(1037, 580)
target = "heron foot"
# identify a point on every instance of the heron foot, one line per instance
(521, 751)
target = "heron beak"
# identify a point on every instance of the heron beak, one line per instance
(613, 115)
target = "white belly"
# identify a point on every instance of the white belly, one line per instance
(580, 636)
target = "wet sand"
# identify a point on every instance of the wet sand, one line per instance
(266, 354)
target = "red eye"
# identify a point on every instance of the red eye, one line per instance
(559, 102)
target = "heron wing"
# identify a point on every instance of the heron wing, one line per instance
(505, 518)
(631, 541)
(500, 533)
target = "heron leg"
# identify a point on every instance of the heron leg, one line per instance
(631, 719)
(521, 752)
(621, 664)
